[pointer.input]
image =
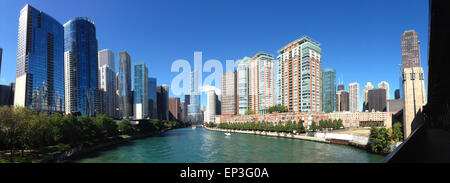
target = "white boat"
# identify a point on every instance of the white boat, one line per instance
(227, 134)
(193, 127)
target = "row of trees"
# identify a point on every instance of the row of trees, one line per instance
(278, 108)
(23, 129)
(382, 139)
(287, 126)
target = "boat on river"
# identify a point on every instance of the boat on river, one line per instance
(227, 134)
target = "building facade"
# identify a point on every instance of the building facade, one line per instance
(7, 94)
(376, 100)
(211, 106)
(40, 69)
(342, 101)
(106, 57)
(124, 85)
(299, 76)
(81, 62)
(360, 119)
(368, 87)
(243, 84)
(414, 96)
(107, 82)
(274, 118)
(140, 94)
(261, 83)
(152, 99)
(410, 49)
(163, 102)
(384, 85)
(194, 112)
(174, 109)
(229, 93)
(353, 90)
(328, 90)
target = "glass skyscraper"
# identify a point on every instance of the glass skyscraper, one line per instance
(40, 62)
(328, 90)
(243, 85)
(81, 64)
(124, 85)
(152, 99)
(140, 106)
(194, 113)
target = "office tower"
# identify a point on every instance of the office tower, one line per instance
(124, 85)
(341, 87)
(218, 104)
(107, 81)
(376, 99)
(328, 90)
(368, 87)
(229, 93)
(185, 108)
(152, 99)
(7, 94)
(106, 57)
(414, 96)
(299, 67)
(410, 49)
(140, 94)
(163, 102)
(40, 62)
(174, 109)
(261, 83)
(211, 106)
(81, 63)
(243, 79)
(194, 112)
(397, 94)
(353, 90)
(385, 86)
(1, 52)
(342, 101)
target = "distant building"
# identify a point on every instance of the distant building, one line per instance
(152, 99)
(211, 106)
(174, 109)
(385, 86)
(107, 81)
(414, 96)
(397, 94)
(7, 94)
(328, 90)
(163, 102)
(353, 89)
(394, 105)
(342, 101)
(410, 49)
(140, 94)
(307, 118)
(193, 108)
(229, 93)
(341, 87)
(368, 87)
(243, 84)
(124, 85)
(360, 119)
(377, 99)
(40, 62)
(299, 72)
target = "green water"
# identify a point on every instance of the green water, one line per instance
(201, 146)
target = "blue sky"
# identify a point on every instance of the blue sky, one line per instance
(359, 38)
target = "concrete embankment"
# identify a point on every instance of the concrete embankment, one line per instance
(343, 139)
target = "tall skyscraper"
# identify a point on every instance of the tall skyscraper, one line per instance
(353, 89)
(163, 102)
(124, 85)
(299, 67)
(174, 109)
(368, 87)
(384, 85)
(106, 57)
(107, 82)
(410, 49)
(342, 101)
(243, 85)
(397, 94)
(152, 99)
(414, 96)
(194, 112)
(81, 62)
(40, 69)
(261, 82)
(140, 94)
(211, 106)
(376, 99)
(328, 90)
(229, 93)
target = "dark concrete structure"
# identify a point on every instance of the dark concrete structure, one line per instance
(377, 99)
(163, 102)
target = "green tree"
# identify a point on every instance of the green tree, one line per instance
(249, 112)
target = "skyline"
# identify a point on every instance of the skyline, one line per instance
(381, 51)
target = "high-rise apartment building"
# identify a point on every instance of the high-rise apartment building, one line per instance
(414, 96)
(353, 90)
(376, 100)
(81, 62)
(384, 85)
(124, 85)
(40, 62)
(261, 82)
(299, 72)
(229, 93)
(410, 49)
(243, 84)
(107, 82)
(152, 99)
(328, 90)
(368, 87)
(140, 94)
(163, 102)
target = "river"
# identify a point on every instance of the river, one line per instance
(198, 145)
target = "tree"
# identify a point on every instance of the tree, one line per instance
(397, 132)
(380, 139)
(249, 112)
